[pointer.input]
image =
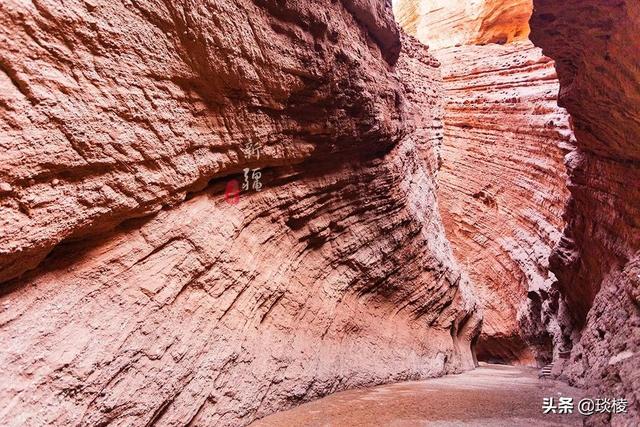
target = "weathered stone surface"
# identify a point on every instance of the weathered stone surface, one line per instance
(595, 45)
(219, 314)
(112, 110)
(337, 274)
(446, 23)
(123, 124)
(605, 359)
(502, 185)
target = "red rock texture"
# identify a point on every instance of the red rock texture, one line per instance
(336, 275)
(114, 110)
(446, 23)
(595, 45)
(218, 314)
(135, 292)
(502, 185)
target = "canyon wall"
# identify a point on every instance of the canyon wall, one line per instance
(597, 50)
(587, 305)
(447, 23)
(112, 111)
(502, 187)
(135, 292)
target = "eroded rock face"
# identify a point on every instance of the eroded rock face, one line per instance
(595, 45)
(446, 23)
(337, 274)
(112, 110)
(502, 186)
(220, 314)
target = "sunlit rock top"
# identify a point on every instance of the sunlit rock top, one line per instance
(446, 23)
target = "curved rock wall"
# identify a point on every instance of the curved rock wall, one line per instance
(595, 44)
(446, 23)
(215, 310)
(114, 110)
(218, 314)
(502, 186)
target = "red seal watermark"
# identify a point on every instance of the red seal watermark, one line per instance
(232, 192)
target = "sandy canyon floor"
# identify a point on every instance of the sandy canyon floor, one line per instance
(492, 395)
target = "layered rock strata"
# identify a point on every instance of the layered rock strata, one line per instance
(214, 314)
(113, 110)
(595, 45)
(215, 311)
(502, 187)
(446, 23)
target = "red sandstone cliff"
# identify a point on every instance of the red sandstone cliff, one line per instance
(133, 293)
(446, 23)
(597, 49)
(502, 187)
(113, 110)
(588, 301)
(164, 304)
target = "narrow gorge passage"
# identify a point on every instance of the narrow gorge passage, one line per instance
(298, 212)
(545, 221)
(502, 187)
(502, 181)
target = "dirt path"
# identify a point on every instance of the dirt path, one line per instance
(491, 395)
